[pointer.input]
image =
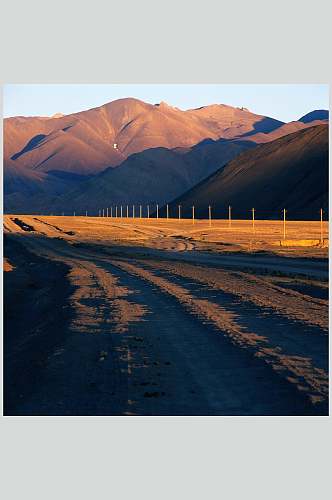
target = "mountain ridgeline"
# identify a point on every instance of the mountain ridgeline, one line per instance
(131, 152)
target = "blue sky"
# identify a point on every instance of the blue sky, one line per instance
(284, 102)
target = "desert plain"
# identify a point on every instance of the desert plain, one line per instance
(130, 316)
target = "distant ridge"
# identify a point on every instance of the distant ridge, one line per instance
(318, 114)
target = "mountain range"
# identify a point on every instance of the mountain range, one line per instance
(128, 151)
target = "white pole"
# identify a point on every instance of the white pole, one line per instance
(284, 223)
(148, 210)
(121, 211)
(140, 211)
(193, 214)
(210, 215)
(321, 226)
(230, 216)
(133, 211)
(157, 212)
(179, 207)
(167, 211)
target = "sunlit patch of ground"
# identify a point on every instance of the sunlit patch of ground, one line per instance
(180, 235)
(257, 290)
(93, 284)
(7, 265)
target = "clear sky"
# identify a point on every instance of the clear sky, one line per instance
(284, 102)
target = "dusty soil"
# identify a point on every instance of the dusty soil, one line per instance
(131, 318)
(36, 316)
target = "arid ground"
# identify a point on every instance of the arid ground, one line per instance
(108, 316)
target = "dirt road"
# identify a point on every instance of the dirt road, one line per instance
(313, 268)
(144, 333)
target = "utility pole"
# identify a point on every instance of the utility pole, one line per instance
(321, 226)
(193, 209)
(253, 220)
(284, 223)
(157, 212)
(210, 222)
(167, 211)
(148, 209)
(230, 216)
(179, 207)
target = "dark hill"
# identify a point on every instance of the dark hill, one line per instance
(153, 176)
(290, 172)
(318, 114)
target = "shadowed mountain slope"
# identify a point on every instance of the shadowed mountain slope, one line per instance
(317, 114)
(152, 176)
(26, 190)
(290, 172)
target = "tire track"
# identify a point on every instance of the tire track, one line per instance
(172, 363)
(296, 369)
(292, 304)
(88, 374)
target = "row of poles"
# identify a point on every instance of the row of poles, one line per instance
(120, 213)
(123, 211)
